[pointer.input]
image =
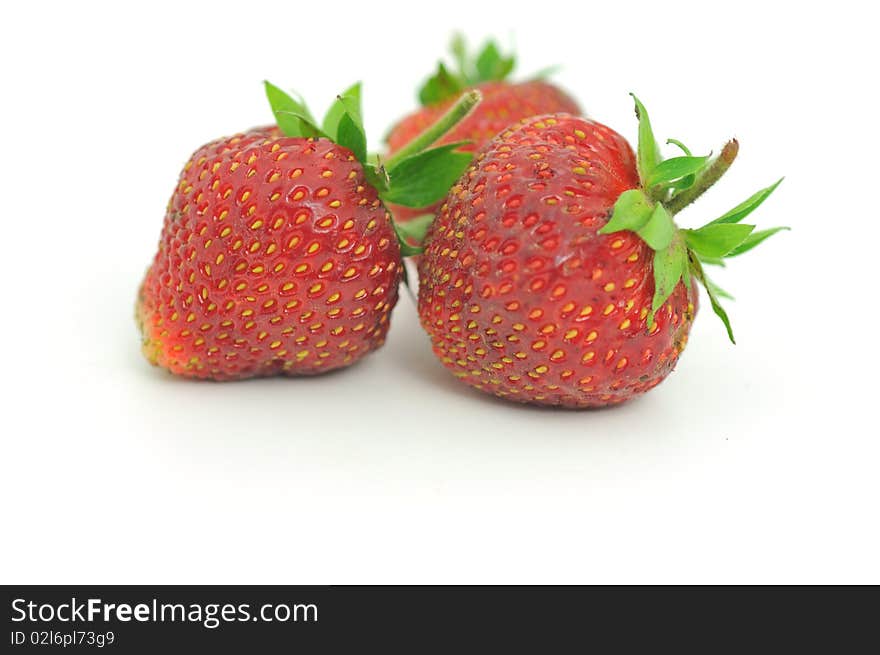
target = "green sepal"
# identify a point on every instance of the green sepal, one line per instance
(717, 240)
(413, 230)
(714, 293)
(297, 125)
(670, 264)
(348, 102)
(406, 250)
(631, 211)
(688, 180)
(293, 116)
(719, 310)
(745, 208)
(754, 239)
(648, 152)
(681, 253)
(491, 65)
(426, 177)
(350, 134)
(441, 86)
(674, 169)
(683, 147)
(718, 291)
(416, 228)
(282, 100)
(713, 261)
(458, 48)
(377, 177)
(659, 230)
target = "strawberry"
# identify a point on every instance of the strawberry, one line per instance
(277, 255)
(504, 103)
(554, 272)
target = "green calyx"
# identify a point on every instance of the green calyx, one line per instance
(669, 185)
(416, 176)
(469, 70)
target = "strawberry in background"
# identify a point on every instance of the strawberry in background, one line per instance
(504, 103)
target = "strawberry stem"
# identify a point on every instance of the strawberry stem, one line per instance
(706, 179)
(445, 123)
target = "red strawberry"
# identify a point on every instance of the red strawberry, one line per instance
(277, 255)
(504, 103)
(554, 274)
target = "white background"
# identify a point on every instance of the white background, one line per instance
(754, 463)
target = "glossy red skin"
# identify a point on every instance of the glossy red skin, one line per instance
(503, 105)
(286, 282)
(520, 295)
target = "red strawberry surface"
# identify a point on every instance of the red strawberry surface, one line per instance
(504, 104)
(275, 257)
(523, 298)
(555, 273)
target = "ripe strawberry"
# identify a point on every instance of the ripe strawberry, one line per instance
(554, 273)
(504, 103)
(277, 255)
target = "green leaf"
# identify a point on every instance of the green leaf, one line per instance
(659, 230)
(718, 291)
(441, 86)
(282, 101)
(648, 152)
(688, 180)
(349, 101)
(491, 66)
(678, 143)
(406, 250)
(675, 168)
(713, 261)
(714, 293)
(743, 209)
(350, 134)
(377, 176)
(686, 277)
(670, 264)
(297, 125)
(754, 239)
(292, 115)
(416, 228)
(684, 183)
(717, 240)
(424, 178)
(458, 48)
(631, 211)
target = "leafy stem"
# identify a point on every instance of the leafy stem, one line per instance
(706, 178)
(667, 186)
(450, 119)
